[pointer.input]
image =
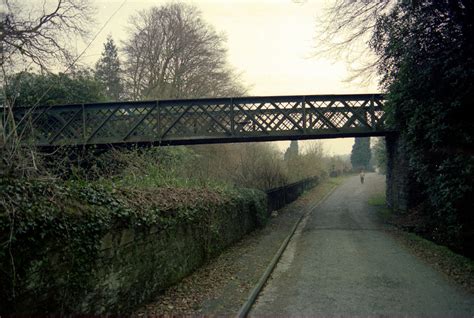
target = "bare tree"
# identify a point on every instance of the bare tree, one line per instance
(173, 53)
(39, 32)
(33, 33)
(345, 32)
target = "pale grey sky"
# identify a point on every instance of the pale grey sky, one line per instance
(269, 41)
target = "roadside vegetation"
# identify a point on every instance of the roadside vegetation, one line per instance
(260, 165)
(422, 52)
(380, 155)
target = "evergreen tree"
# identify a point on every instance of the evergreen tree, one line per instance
(361, 154)
(30, 89)
(427, 67)
(108, 70)
(380, 155)
(292, 151)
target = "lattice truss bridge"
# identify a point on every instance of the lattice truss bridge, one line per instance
(192, 121)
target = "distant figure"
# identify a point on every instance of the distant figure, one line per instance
(362, 175)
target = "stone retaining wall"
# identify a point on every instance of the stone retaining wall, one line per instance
(402, 191)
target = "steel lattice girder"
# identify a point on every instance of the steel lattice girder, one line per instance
(191, 121)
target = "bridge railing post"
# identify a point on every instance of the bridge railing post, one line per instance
(232, 117)
(84, 137)
(159, 122)
(372, 113)
(303, 105)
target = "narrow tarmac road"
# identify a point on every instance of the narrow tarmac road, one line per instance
(342, 262)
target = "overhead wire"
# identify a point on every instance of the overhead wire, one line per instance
(67, 69)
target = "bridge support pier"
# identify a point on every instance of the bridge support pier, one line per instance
(402, 190)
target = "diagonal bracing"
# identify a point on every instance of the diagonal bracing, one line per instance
(210, 120)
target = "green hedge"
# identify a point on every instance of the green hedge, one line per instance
(83, 248)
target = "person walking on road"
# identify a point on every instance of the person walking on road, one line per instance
(362, 175)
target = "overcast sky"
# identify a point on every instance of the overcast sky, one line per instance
(269, 41)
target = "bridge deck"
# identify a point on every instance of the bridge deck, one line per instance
(191, 121)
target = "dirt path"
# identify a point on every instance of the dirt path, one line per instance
(342, 262)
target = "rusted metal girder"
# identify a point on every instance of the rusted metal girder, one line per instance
(210, 120)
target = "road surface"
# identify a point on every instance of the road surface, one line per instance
(342, 262)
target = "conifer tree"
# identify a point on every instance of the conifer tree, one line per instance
(292, 151)
(107, 70)
(361, 154)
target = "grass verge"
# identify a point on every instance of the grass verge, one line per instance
(457, 267)
(383, 212)
(377, 199)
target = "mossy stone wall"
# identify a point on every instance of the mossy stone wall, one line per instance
(86, 249)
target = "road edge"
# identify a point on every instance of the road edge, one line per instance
(247, 306)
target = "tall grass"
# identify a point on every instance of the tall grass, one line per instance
(253, 165)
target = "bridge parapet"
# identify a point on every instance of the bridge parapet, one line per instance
(191, 121)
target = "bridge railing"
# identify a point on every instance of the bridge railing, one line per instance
(281, 196)
(201, 120)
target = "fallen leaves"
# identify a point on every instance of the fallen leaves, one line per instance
(223, 284)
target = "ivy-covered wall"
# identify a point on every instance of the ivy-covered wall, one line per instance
(397, 175)
(79, 248)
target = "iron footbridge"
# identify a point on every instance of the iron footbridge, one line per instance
(197, 121)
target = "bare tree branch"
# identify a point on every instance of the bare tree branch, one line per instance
(173, 53)
(345, 33)
(40, 34)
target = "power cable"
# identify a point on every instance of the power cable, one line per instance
(68, 68)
